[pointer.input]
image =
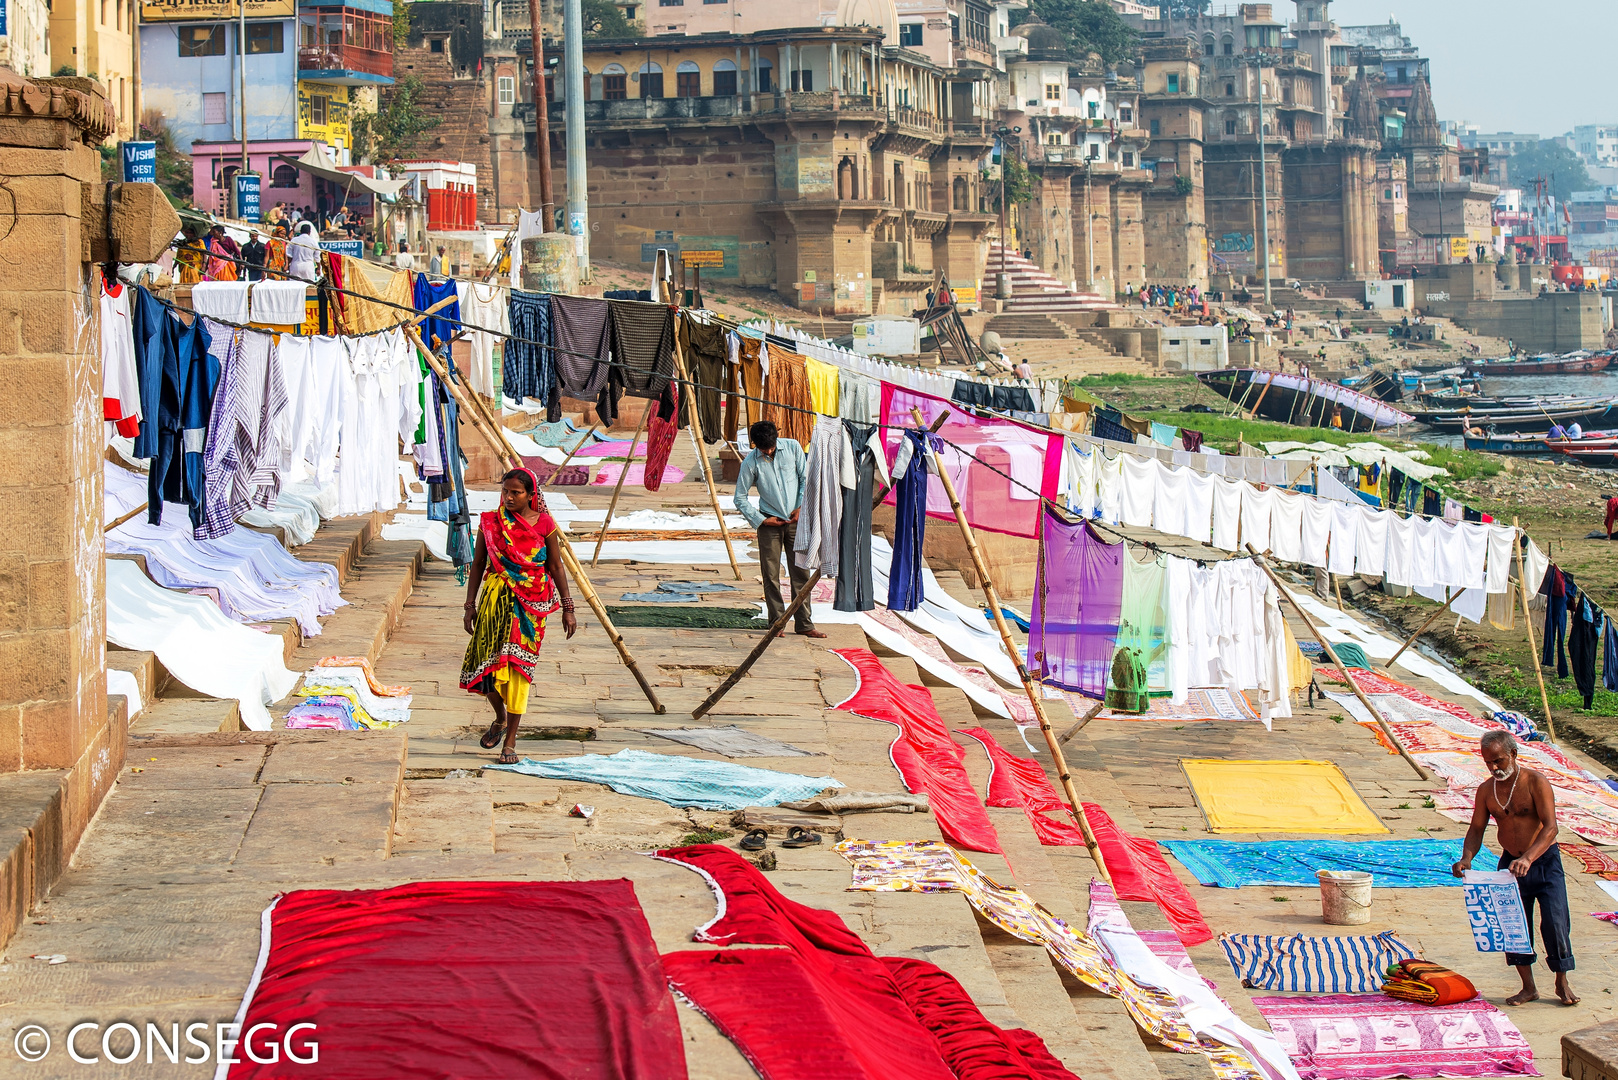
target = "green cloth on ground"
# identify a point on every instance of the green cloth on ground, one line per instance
(692, 618)
(1351, 654)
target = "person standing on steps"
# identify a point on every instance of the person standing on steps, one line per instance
(779, 469)
(1523, 806)
(517, 580)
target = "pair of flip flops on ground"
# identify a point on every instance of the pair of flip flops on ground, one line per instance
(797, 837)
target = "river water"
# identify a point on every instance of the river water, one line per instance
(1596, 384)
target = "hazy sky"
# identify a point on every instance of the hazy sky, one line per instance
(1504, 65)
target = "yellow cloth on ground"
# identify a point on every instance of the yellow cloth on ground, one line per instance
(823, 386)
(1278, 797)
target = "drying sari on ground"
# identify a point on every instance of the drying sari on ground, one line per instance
(513, 601)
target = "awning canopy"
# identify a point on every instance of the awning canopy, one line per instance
(318, 164)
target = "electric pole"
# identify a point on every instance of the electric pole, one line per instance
(578, 205)
(542, 121)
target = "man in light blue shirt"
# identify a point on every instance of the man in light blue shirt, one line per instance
(778, 468)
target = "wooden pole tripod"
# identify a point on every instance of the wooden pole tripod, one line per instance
(491, 433)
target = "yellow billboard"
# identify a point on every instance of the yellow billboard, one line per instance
(1459, 247)
(205, 10)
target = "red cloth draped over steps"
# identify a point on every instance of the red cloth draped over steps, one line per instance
(823, 1005)
(928, 760)
(470, 980)
(1139, 872)
(1017, 781)
(1138, 869)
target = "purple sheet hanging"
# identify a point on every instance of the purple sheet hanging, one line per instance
(1076, 603)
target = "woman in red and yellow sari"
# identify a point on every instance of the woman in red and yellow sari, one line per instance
(516, 581)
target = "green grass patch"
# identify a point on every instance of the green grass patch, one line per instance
(1119, 378)
(705, 836)
(1519, 690)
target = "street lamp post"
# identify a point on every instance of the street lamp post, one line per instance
(1263, 187)
(1002, 282)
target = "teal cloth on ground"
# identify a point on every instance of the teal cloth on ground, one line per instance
(679, 781)
(562, 433)
(1351, 654)
(1393, 864)
(694, 586)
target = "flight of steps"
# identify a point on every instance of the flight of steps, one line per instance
(1034, 290)
(376, 578)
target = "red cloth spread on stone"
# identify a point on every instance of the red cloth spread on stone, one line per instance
(1021, 782)
(973, 1047)
(824, 1006)
(1139, 872)
(928, 760)
(470, 980)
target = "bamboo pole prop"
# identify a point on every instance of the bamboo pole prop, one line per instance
(1090, 714)
(601, 537)
(688, 391)
(1422, 629)
(576, 448)
(125, 517)
(1028, 684)
(1331, 652)
(770, 635)
(510, 458)
(1252, 414)
(1528, 625)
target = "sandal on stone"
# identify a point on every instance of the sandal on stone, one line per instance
(508, 755)
(491, 738)
(755, 840)
(798, 836)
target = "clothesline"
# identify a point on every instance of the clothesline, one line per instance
(690, 384)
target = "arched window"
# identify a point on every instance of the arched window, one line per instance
(651, 80)
(1229, 46)
(764, 76)
(724, 79)
(284, 176)
(687, 80)
(614, 83)
(1208, 45)
(959, 199)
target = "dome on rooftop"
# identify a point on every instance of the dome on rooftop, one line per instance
(1045, 42)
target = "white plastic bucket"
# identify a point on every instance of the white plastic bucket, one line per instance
(1345, 896)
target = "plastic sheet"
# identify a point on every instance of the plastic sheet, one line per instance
(992, 454)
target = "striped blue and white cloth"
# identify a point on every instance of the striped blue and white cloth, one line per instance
(1314, 965)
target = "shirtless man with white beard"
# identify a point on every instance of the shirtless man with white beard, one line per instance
(1523, 806)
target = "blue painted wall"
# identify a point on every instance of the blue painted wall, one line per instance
(174, 85)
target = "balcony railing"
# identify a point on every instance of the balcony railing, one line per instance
(345, 58)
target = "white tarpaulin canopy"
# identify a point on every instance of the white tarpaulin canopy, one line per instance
(318, 164)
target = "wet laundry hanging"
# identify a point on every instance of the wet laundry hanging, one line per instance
(910, 475)
(579, 332)
(863, 461)
(1582, 645)
(442, 325)
(705, 351)
(528, 370)
(1556, 588)
(642, 343)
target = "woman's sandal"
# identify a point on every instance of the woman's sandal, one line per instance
(798, 836)
(754, 840)
(508, 755)
(491, 738)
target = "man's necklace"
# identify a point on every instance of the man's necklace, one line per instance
(1506, 806)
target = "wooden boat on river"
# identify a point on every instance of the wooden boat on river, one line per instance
(1293, 399)
(1534, 416)
(1566, 364)
(1535, 442)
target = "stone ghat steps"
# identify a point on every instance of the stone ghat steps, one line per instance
(377, 578)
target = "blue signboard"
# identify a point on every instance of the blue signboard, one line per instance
(354, 249)
(140, 162)
(247, 195)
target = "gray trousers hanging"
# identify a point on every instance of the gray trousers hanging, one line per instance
(854, 590)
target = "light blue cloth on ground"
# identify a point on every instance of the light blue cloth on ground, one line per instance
(562, 433)
(660, 597)
(678, 592)
(1393, 864)
(694, 586)
(679, 781)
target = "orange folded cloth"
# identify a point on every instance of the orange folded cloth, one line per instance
(1425, 983)
(361, 662)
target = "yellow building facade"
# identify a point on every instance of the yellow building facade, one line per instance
(95, 39)
(325, 111)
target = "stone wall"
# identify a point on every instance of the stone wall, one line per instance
(697, 190)
(1331, 213)
(60, 749)
(1558, 322)
(1232, 196)
(445, 51)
